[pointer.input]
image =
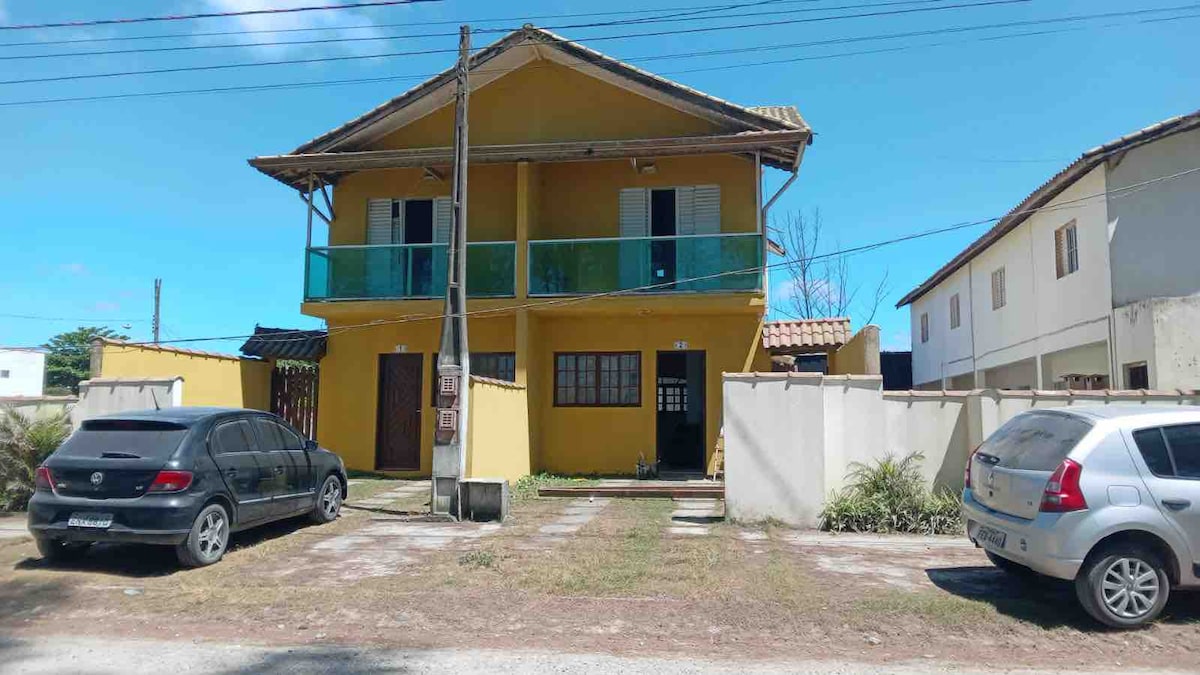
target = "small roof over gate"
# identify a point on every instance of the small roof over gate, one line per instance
(806, 335)
(286, 343)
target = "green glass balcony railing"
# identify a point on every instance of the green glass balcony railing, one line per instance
(405, 271)
(696, 264)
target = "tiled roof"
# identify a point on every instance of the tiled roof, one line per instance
(1051, 189)
(806, 334)
(286, 343)
(788, 114)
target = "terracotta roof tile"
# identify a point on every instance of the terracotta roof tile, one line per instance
(812, 334)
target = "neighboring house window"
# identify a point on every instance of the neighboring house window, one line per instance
(4, 374)
(598, 379)
(955, 316)
(998, 290)
(496, 365)
(1137, 376)
(925, 328)
(1066, 250)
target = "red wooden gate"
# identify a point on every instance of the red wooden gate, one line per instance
(294, 396)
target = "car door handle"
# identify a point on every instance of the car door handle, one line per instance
(278, 470)
(232, 473)
(1176, 504)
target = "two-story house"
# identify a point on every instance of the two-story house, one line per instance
(615, 258)
(1090, 282)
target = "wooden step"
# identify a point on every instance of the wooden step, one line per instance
(649, 491)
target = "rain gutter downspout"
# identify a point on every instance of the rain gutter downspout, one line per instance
(788, 183)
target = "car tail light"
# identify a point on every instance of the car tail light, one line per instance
(43, 480)
(967, 472)
(1062, 492)
(171, 481)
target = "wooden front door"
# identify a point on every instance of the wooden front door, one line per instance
(398, 431)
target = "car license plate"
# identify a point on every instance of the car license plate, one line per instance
(990, 537)
(96, 520)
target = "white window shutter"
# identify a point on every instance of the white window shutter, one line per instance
(707, 209)
(635, 212)
(379, 221)
(443, 220)
(685, 212)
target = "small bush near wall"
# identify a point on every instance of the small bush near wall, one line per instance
(890, 496)
(26, 440)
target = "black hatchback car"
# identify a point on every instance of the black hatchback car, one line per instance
(182, 477)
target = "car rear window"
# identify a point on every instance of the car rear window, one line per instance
(1035, 441)
(1185, 448)
(1154, 450)
(130, 439)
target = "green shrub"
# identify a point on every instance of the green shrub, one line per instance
(890, 496)
(24, 443)
(526, 487)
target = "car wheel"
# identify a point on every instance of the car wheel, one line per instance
(207, 540)
(329, 501)
(1123, 587)
(58, 551)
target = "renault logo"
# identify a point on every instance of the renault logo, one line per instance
(97, 478)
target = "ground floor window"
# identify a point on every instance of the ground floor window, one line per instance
(496, 365)
(598, 379)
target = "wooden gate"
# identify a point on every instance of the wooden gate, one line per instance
(294, 396)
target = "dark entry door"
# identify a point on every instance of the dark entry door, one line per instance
(398, 432)
(680, 412)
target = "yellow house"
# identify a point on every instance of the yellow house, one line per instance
(615, 262)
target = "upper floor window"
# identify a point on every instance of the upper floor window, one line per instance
(955, 312)
(1066, 250)
(409, 221)
(999, 298)
(669, 212)
(924, 327)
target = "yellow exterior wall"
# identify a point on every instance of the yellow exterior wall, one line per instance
(491, 200)
(208, 380)
(349, 396)
(580, 199)
(544, 102)
(608, 440)
(859, 356)
(498, 439)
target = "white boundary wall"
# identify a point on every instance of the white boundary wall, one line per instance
(100, 396)
(790, 438)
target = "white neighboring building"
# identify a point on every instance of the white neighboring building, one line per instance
(1092, 282)
(22, 371)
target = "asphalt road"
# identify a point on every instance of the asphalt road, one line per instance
(94, 656)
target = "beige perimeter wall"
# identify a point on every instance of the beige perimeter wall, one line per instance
(790, 438)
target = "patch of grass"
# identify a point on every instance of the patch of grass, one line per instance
(359, 473)
(477, 559)
(937, 608)
(526, 487)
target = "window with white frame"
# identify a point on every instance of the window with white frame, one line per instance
(1066, 250)
(999, 298)
(924, 327)
(4, 374)
(955, 312)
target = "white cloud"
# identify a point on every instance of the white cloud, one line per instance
(352, 24)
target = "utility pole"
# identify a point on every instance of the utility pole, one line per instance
(156, 323)
(449, 450)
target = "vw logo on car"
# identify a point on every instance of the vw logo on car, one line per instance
(97, 478)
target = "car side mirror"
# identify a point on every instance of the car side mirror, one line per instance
(310, 444)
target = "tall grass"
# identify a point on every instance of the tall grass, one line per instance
(889, 495)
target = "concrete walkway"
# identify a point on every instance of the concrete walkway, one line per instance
(73, 654)
(12, 526)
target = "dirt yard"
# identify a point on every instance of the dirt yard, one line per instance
(626, 577)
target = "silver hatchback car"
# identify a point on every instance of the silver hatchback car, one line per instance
(1106, 496)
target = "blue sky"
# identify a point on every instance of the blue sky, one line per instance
(102, 197)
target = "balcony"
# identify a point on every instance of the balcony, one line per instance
(405, 271)
(646, 265)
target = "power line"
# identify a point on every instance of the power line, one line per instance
(212, 15)
(359, 57)
(523, 19)
(666, 18)
(33, 317)
(1116, 193)
(392, 78)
